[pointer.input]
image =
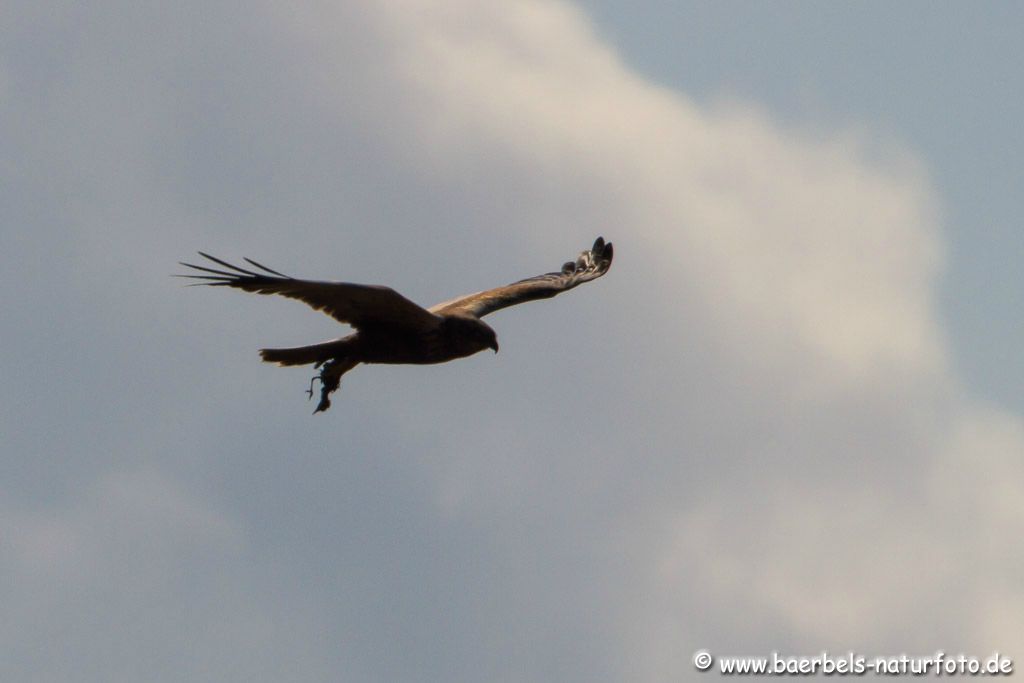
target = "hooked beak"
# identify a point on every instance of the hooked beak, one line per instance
(494, 346)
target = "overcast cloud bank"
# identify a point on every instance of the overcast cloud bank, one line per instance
(748, 437)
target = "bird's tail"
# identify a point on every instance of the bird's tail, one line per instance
(304, 355)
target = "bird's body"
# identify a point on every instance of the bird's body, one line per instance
(454, 337)
(390, 328)
(446, 342)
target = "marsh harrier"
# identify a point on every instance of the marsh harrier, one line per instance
(388, 327)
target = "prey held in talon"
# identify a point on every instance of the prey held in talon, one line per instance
(388, 327)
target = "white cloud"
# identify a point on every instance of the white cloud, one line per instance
(809, 263)
(806, 244)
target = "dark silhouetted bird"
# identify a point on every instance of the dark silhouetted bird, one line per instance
(388, 327)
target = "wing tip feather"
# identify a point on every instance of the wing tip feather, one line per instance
(268, 270)
(226, 264)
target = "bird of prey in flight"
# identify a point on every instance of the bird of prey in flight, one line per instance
(388, 327)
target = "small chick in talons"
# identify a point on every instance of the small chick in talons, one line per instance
(330, 380)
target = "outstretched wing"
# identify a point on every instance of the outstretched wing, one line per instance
(589, 266)
(358, 305)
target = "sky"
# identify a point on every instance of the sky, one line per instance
(789, 419)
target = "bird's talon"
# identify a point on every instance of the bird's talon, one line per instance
(309, 391)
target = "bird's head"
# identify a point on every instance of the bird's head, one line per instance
(487, 336)
(470, 334)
